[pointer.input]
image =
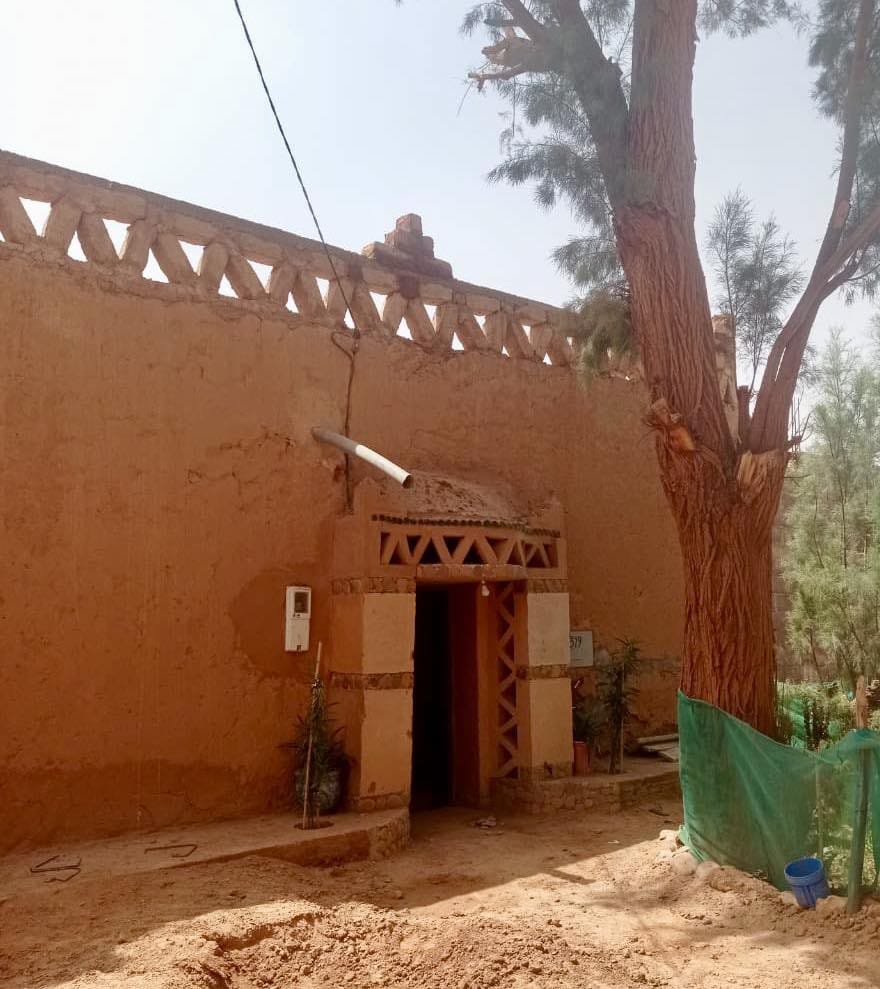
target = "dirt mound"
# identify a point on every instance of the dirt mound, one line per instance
(565, 902)
(359, 945)
(766, 910)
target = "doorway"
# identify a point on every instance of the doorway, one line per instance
(445, 736)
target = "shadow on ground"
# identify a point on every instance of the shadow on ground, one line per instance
(560, 902)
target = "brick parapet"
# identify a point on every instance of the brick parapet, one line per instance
(465, 317)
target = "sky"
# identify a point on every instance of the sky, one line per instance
(162, 94)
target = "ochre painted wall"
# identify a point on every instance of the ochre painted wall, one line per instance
(160, 487)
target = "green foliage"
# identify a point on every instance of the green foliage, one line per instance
(603, 336)
(827, 718)
(840, 716)
(831, 556)
(744, 17)
(316, 744)
(549, 145)
(608, 18)
(617, 694)
(328, 751)
(757, 273)
(589, 719)
(818, 714)
(562, 165)
(831, 52)
(786, 729)
(559, 155)
(816, 725)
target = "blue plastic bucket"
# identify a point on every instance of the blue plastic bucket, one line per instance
(807, 880)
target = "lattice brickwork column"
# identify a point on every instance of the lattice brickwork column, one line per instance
(503, 648)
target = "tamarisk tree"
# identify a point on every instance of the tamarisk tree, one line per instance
(607, 85)
(831, 554)
(756, 266)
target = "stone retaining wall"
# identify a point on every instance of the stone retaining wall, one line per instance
(599, 794)
(391, 837)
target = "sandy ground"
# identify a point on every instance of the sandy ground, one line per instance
(569, 901)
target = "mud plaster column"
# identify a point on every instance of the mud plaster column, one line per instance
(371, 679)
(544, 696)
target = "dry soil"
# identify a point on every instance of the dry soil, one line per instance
(569, 901)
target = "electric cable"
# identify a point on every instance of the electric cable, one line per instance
(356, 334)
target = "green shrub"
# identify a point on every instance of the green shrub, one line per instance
(812, 715)
(617, 694)
(589, 719)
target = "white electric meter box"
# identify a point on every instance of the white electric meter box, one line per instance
(297, 617)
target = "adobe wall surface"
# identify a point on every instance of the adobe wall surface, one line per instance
(161, 488)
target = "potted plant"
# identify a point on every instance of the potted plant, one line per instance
(617, 693)
(588, 721)
(320, 762)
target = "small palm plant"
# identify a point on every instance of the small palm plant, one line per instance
(617, 695)
(319, 757)
(588, 717)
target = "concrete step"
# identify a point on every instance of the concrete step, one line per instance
(349, 837)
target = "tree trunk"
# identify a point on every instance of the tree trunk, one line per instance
(723, 498)
(726, 544)
(723, 492)
(723, 479)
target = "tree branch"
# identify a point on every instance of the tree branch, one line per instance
(770, 419)
(859, 239)
(516, 56)
(743, 394)
(503, 75)
(597, 82)
(569, 11)
(524, 19)
(852, 129)
(572, 50)
(836, 271)
(846, 274)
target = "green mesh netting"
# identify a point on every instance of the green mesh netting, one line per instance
(757, 805)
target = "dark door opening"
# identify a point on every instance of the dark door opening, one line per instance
(445, 766)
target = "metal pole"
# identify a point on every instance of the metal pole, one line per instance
(860, 821)
(309, 748)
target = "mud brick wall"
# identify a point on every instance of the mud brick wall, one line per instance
(161, 369)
